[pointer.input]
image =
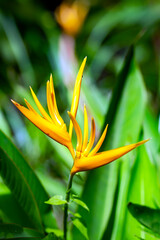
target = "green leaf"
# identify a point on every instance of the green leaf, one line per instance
(80, 227)
(52, 236)
(118, 90)
(10, 230)
(147, 216)
(35, 185)
(127, 127)
(76, 215)
(10, 210)
(57, 232)
(100, 186)
(13, 230)
(81, 203)
(22, 182)
(142, 190)
(16, 181)
(56, 200)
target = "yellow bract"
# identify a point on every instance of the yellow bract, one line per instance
(76, 94)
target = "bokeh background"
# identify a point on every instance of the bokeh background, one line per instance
(38, 38)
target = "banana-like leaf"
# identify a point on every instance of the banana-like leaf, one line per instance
(127, 127)
(22, 181)
(101, 183)
(143, 189)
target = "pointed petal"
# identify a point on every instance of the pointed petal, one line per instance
(99, 144)
(76, 94)
(45, 126)
(50, 106)
(92, 138)
(78, 132)
(41, 109)
(29, 106)
(53, 100)
(85, 139)
(103, 158)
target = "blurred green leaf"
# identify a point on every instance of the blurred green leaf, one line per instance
(10, 210)
(11, 231)
(127, 127)
(52, 236)
(16, 181)
(118, 90)
(56, 200)
(147, 216)
(57, 232)
(122, 14)
(80, 226)
(98, 191)
(18, 47)
(36, 187)
(22, 181)
(77, 215)
(143, 189)
(80, 202)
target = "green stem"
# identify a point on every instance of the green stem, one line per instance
(66, 206)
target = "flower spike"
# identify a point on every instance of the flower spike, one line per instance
(76, 94)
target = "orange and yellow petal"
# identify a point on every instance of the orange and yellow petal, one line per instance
(103, 158)
(85, 139)
(53, 101)
(41, 109)
(99, 144)
(78, 132)
(45, 126)
(50, 105)
(92, 138)
(76, 94)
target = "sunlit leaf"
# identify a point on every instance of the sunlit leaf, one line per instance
(57, 232)
(81, 203)
(56, 200)
(80, 227)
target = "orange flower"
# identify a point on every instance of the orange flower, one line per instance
(87, 159)
(53, 125)
(71, 16)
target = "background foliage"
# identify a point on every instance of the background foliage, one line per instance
(121, 86)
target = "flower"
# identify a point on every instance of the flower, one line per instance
(87, 159)
(71, 16)
(52, 124)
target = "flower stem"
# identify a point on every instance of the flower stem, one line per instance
(66, 206)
